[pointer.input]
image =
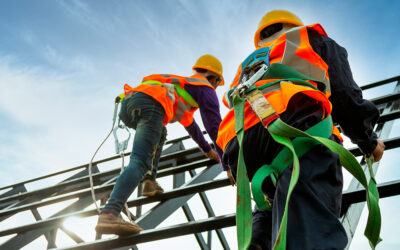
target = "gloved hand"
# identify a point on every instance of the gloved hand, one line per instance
(378, 151)
(212, 155)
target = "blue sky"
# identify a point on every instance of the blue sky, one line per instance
(63, 62)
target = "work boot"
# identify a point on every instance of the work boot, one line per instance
(151, 188)
(108, 224)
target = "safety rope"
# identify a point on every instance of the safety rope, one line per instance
(97, 150)
(120, 149)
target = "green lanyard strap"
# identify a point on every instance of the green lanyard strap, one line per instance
(295, 148)
(243, 197)
(281, 132)
(284, 159)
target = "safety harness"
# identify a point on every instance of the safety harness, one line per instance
(296, 143)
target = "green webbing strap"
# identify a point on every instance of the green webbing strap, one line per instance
(294, 80)
(280, 242)
(243, 199)
(282, 71)
(281, 132)
(284, 159)
(181, 92)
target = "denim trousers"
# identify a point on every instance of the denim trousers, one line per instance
(144, 114)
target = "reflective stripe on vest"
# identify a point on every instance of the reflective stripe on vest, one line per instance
(290, 58)
(292, 49)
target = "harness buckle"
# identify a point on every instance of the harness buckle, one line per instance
(243, 86)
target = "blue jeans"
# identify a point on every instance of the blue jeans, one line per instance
(144, 114)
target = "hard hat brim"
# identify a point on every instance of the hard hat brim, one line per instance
(210, 69)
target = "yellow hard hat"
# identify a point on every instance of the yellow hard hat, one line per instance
(210, 63)
(276, 16)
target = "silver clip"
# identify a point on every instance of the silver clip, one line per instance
(120, 147)
(242, 87)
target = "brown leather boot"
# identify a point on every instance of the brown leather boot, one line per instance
(114, 225)
(151, 188)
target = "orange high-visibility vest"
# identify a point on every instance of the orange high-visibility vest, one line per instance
(176, 107)
(292, 49)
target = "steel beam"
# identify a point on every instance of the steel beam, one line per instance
(187, 190)
(211, 213)
(160, 212)
(100, 189)
(160, 233)
(179, 180)
(27, 236)
(380, 83)
(387, 189)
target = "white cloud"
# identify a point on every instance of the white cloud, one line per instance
(54, 121)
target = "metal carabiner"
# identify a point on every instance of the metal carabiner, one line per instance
(120, 147)
(242, 87)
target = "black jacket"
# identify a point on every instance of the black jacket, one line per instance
(355, 115)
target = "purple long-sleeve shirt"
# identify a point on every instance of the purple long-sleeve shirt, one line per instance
(209, 110)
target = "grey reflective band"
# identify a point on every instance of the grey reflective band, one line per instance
(174, 80)
(197, 80)
(164, 75)
(180, 111)
(272, 88)
(293, 41)
(170, 91)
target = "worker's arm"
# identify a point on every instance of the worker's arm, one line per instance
(355, 115)
(196, 134)
(209, 111)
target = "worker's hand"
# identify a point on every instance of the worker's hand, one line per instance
(229, 174)
(378, 151)
(212, 155)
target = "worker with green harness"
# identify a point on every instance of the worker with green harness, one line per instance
(279, 135)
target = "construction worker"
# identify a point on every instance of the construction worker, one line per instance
(161, 99)
(305, 68)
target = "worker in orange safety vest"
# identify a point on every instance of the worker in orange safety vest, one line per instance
(161, 99)
(308, 79)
